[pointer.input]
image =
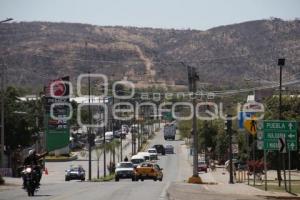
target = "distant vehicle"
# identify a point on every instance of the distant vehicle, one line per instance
(169, 131)
(153, 154)
(202, 166)
(120, 134)
(124, 129)
(145, 155)
(169, 149)
(75, 173)
(148, 171)
(159, 148)
(124, 170)
(109, 135)
(137, 159)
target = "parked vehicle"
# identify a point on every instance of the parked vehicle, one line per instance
(202, 166)
(75, 173)
(124, 170)
(148, 171)
(29, 175)
(137, 159)
(159, 148)
(109, 135)
(169, 149)
(120, 134)
(169, 131)
(153, 154)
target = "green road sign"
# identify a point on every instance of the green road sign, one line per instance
(275, 129)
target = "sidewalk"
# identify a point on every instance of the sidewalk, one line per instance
(217, 183)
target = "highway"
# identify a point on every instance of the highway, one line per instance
(55, 188)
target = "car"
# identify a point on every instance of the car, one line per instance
(160, 149)
(202, 166)
(169, 149)
(153, 153)
(148, 171)
(120, 134)
(124, 170)
(137, 160)
(75, 173)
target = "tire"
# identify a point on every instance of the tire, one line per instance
(117, 179)
(66, 179)
(133, 179)
(161, 179)
(155, 178)
(142, 179)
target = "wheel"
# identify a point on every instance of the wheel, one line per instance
(66, 179)
(161, 179)
(133, 179)
(116, 179)
(83, 179)
(155, 178)
(142, 179)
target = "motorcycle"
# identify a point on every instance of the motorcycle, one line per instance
(30, 179)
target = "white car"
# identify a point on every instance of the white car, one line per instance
(153, 154)
(124, 170)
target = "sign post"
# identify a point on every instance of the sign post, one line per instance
(281, 136)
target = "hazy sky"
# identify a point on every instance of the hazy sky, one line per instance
(195, 14)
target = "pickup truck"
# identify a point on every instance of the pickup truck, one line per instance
(148, 171)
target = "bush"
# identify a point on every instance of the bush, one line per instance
(258, 165)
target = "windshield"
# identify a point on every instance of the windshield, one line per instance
(137, 161)
(152, 151)
(125, 165)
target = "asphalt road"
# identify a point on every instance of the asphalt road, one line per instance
(56, 189)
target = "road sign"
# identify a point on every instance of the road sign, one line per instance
(275, 129)
(251, 125)
(282, 145)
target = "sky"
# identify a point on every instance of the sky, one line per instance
(178, 14)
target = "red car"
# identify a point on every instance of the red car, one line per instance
(202, 166)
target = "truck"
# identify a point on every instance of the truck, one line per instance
(170, 131)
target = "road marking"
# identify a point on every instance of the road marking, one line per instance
(163, 194)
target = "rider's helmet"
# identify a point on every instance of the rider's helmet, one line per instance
(31, 152)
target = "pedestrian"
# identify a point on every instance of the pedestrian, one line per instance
(125, 159)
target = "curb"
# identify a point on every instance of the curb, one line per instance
(72, 158)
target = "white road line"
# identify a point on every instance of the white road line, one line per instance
(163, 194)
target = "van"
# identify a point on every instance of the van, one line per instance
(137, 160)
(146, 155)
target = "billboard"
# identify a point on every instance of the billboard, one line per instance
(56, 100)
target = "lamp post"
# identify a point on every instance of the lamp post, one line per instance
(2, 105)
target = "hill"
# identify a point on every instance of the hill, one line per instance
(35, 52)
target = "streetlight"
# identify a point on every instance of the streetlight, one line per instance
(2, 106)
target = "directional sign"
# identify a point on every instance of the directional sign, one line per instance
(282, 145)
(275, 129)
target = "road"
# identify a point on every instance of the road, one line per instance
(55, 189)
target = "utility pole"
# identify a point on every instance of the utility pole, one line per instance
(229, 132)
(104, 153)
(281, 62)
(2, 115)
(193, 77)
(2, 104)
(89, 131)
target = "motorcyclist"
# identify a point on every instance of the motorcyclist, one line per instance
(33, 160)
